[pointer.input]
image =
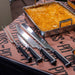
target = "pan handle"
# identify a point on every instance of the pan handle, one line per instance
(70, 19)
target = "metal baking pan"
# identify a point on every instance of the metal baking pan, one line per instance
(54, 31)
(71, 3)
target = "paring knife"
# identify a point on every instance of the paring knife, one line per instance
(34, 54)
(34, 44)
(45, 44)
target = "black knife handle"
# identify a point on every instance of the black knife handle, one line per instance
(25, 54)
(35, 55)
(62, 58)
(48, 56)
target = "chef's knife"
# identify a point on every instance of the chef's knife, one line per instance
(45, 44)
(34, 54)
(35, 36)
(35, 45)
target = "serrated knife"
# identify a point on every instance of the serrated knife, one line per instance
(34, 44)
(45, 44)
(34, 54)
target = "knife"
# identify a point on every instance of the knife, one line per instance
(34, 44)
(45, 44)
(12, 40)
(34, 54)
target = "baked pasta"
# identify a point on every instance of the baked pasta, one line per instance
(47, 17)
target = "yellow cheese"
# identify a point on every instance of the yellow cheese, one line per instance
(47, 17)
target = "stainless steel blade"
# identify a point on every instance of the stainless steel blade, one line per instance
(27, 38)
(22, 41)
(35, 44)
(35, 36)
(34, 54)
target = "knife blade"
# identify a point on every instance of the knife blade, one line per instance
(45, 44)
(18, 47)
(34, 44)
(35, 36)
(34, 54)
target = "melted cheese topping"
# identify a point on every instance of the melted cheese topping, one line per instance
(48, 17)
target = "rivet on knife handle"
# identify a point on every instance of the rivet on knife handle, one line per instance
(63, 59)
(29, 40)
(25, 54)
(44, 43)
(48, 56)
(35, 55)
(12, 40)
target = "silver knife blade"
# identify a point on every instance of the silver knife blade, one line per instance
(35, 55)
(35, 44)
(22, 41)
(35, 36)
(27, 38)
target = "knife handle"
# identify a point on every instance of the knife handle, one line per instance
(62, 58)
(48, 56)
(25, 53)
(35, 55)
